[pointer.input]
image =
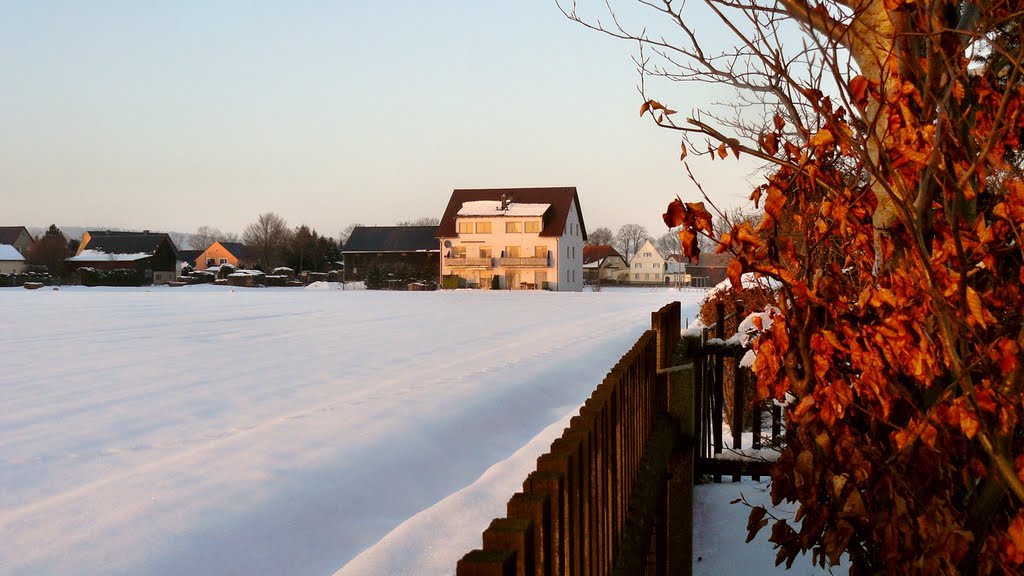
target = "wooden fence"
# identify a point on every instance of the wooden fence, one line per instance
(614, 494)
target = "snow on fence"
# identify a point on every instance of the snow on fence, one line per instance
(710, 356)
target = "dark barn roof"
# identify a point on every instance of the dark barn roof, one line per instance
(9, 234)
(554, 219)
(392, 239)
(239, 250)
(599, 252)
(189, 255)
(126, 242)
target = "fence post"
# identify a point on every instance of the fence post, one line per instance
(757, 425)
(739, 383)
(684, 408)
(535, 507)
(514, 534)
(487, 563)
(719, 391)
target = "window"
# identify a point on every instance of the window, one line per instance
(465, 227)
(540, 252)
(223, 261)
(657, 265)
(647, 276)
(647, 254)
(485, 251)
(533, 227)
(483, 227)
(638, 265)
(513, 227)
(458, 251)
(210, 262)
(512, 251)
(636, 276)
(573, 275)
(574, 252)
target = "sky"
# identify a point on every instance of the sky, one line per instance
(173, 115)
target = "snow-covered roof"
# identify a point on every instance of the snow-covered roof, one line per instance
(10, 253)
(493, 208)
(100, 256)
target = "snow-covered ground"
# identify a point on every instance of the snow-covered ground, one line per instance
(214, 431)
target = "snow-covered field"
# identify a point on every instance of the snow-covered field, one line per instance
(205, 430)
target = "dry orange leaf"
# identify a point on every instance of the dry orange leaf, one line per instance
(974, 306)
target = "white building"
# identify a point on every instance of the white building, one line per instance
(513, 239)
(11, 260)
(647, 266)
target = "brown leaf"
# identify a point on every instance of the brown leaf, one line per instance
(770, 143)
(974, 306)
(702, 218)
(722, 151)
(644, 108)
(675, 214)
(682, 146)
(734, 271)
(859, 90)
(774, 203)
(779, 122)
(823, 138)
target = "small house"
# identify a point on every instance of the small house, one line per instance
(151, 254)
(235, 254)
(392, 253)
(17, 236)
(11, 260)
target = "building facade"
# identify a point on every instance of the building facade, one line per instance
(513, 239)
(647, 266)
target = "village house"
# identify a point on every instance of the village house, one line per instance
(408, 252)
(602, 263)
(675, 270)
(235, 254)
(152, 255)
(17, 236)
(647, 265)
(710, 271)
(11, 260)
(513, 238)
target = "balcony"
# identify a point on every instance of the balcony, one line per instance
(534, 262)
(468, 262)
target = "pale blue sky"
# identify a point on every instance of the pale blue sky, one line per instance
(172, 115)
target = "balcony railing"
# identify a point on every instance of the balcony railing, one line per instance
(533, 262)
(468, 262)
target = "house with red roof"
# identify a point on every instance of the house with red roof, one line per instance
(513, 239)
(603, 263)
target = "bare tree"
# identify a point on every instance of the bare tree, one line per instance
(425, 221)
(600, 237)
(629, 239)
(668, 244)
(346, 232)
(268, 235)
(889, 168)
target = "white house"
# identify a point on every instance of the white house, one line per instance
(647, 266)
(11, 260)
(675, 270)
(603, 263)
(513, 239)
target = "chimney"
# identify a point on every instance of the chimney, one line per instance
(504, 201)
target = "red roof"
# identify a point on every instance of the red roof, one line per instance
(598, 253)
(554, 219)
